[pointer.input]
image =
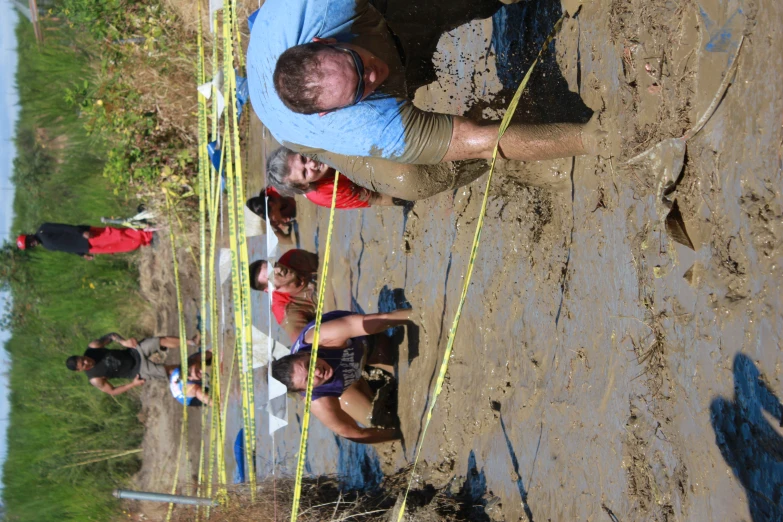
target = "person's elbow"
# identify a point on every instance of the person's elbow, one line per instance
(353, 433)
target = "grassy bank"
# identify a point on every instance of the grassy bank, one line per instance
(58, 423)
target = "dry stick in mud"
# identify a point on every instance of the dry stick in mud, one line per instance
(666, 159)
(469, 273)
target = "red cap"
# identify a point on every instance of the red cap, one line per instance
(21, 242)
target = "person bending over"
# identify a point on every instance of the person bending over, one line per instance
(282, 212)
(84, 240)
(292, 173)
(133, 362)
(293, 293)
(189, 390)
(341, 396)
(339, 91)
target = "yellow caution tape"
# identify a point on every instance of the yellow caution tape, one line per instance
(444, 366)
(239, 277)
(202, 208)
(313, 355)
(183, 348)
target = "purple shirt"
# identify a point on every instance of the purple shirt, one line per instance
(345, 362)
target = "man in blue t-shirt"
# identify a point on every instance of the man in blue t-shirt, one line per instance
(341, 396)
(325, 77)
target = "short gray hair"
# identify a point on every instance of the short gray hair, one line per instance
(277, 172)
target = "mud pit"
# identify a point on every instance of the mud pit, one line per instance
(600, 370)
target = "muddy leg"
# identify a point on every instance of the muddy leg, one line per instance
(402, 180)
(355, 401)
(382, 355)
(524, 142)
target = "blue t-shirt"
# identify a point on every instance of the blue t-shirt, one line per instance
(373, 127)
(345, 362)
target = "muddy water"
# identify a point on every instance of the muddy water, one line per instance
(589, 376)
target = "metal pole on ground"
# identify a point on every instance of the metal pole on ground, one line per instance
(162, 497)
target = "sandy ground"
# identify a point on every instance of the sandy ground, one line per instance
(161, 414)
(601, 369)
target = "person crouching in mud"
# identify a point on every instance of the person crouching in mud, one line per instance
(340, 96)
(291, 173)
(341, 396)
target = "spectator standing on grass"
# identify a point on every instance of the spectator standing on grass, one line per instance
(84, 240)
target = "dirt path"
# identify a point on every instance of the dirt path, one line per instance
(160, 413)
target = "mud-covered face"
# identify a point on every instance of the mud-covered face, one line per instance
(304, 171)
(300, 367)
(349, 76)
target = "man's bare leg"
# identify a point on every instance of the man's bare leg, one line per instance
(355, 401)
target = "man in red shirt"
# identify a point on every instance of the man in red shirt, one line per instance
(84, 240)
(293, 295)
(291, 173)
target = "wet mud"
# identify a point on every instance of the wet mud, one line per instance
(589, 376)
(601, 369)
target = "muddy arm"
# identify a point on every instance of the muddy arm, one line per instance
(106, 340)
(336, 332)
(106, 387)
(328, 411)
(197, 391)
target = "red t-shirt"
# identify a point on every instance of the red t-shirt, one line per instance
(280, 301)
(349, 194)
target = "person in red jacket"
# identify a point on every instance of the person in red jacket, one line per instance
(291, 173)
(84, 240)
(293, 295)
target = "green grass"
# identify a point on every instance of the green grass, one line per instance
(60, 303)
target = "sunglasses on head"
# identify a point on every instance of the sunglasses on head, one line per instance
(359, 64)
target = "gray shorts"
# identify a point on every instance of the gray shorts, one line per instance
(148, 369)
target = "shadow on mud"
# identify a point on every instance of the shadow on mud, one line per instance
(749, 443)
(518, 31)
(419, 26)
(515, 461)
(394, 299)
